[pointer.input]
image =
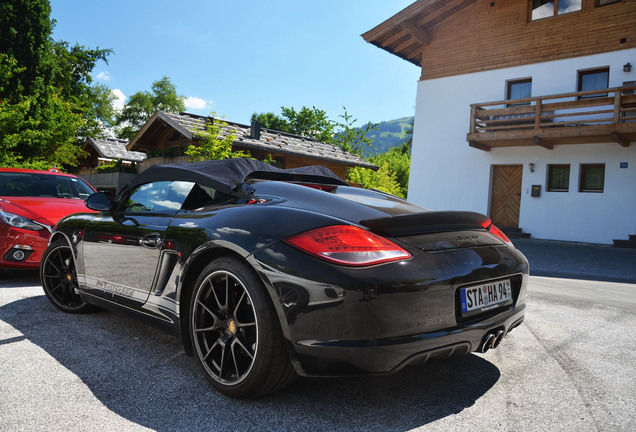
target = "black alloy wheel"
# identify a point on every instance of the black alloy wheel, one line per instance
(235, 332)
(59, 279)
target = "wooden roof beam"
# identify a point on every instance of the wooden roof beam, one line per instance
(478, 146)
(620, 139)
(415, 56)
(393, 38)
(543, 143)
(417, 33)
(404, 44)
(406, 14)
(442, 10)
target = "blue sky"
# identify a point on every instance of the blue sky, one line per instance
(244, 56)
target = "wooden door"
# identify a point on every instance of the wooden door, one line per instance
(505, 195)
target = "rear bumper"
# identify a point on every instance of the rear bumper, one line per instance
(343, 321)
(320, 358)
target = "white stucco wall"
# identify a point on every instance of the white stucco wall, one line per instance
(448, 174)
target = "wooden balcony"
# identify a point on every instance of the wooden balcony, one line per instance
(598, 116)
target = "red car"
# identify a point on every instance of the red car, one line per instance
(31, 203)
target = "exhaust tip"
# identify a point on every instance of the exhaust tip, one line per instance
(498, 338)
(489, 342)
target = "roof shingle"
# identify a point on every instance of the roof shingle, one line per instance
(113, 148)
(189, 125)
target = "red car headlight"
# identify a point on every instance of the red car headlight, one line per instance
(348, 245)
(18, 221)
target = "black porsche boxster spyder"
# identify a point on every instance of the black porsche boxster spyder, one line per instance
(266, 274)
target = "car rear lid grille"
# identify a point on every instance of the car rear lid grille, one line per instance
(452, 240)
(434, 231)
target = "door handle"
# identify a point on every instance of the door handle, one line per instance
(151, 241)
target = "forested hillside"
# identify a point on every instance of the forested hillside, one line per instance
(390, 134)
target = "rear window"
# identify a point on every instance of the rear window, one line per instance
(22, 184)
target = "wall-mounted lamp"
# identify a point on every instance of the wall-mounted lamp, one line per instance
(531, 166)
(627, 67)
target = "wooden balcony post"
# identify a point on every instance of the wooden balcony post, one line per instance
(617, 106)
(473, 118)
(537, 114)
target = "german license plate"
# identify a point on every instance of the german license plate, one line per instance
(481, 298)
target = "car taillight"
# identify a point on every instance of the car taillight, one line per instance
(348, 245)
(322, 187)
(492, 229)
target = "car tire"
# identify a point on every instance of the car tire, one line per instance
(235, 332)
(59, 279)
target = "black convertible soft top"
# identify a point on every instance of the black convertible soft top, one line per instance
(228, 175)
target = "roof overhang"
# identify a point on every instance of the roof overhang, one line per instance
(160, 123)
(409, 31)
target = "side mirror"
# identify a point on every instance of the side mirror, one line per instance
(100, 201)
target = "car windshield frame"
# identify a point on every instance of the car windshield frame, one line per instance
(43, 185)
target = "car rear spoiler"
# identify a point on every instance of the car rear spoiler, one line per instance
(428, 223)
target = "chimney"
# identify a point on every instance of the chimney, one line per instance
(255, 130)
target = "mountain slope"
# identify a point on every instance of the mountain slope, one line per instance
(390, 134)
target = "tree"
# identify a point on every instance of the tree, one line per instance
(25, 30)
(141, 105)
(393, 175)
(31, 143)
(383, 179)
(100, 114)
(398, 161)
(47, 99)
(214, 143)
(408, 133)
(70, 69)
(354, 139)
(272, 121)
(309, 122)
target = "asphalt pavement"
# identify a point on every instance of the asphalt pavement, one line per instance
(102, 371)
(579, 260)
(61, 372)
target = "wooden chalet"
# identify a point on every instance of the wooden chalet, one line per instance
(165, 136)
(103, 151)
(106, 150)
(453, 37)
(526, 111)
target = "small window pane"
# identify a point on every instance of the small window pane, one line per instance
(592, 178)
(519, 89)
(593, 80)
(606, 2)
(542, 9)
(566, 6)
(558, 178)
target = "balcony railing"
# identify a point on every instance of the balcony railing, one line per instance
(596, 116)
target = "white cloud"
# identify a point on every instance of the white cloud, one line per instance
(104, 76)
(120, 99)
(194, 102)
